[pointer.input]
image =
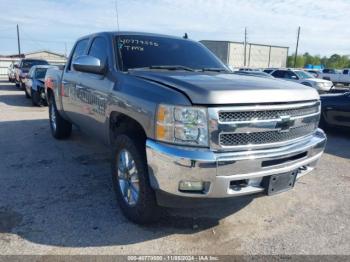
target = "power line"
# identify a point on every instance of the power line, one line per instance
(18, 42)
(245, 46)
(296, 49)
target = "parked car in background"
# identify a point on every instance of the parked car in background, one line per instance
(11, 72)
(253, 73)
(34, 84)
(336, 76)
(335, 110)
(181, 126)
(23, 69)
(304, 78)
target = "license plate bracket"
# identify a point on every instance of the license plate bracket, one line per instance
(279, 183)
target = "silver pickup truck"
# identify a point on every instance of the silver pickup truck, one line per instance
(183, 128)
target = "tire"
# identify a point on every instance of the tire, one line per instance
(143, 209)
(60, 128)
(36, 99)
(25, 91)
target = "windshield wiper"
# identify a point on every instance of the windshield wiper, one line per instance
(213, 69)
(167, 67)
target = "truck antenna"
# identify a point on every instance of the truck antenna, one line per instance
(117, 15)
(119, 44)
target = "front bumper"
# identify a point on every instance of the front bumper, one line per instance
(168, 165)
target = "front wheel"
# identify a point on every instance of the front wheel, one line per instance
(60, 128)
(130, 179)
(36, 99)
(26, 92)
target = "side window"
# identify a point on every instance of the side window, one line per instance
(31, 71)
(278, 74)
(346, 71)
(99, 49)
(291, 75)
(326, 71)
(79, 50)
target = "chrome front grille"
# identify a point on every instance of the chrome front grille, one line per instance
(269, 137)
(262, 126)
(229, 116)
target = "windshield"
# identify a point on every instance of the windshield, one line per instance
(30, 63)
(40, 73)
(138, 51)
(303, 74)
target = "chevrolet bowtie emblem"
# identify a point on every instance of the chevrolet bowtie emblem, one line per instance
(284, 124)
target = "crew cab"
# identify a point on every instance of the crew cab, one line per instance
(336, 76)
(23, 68)
(181, 126)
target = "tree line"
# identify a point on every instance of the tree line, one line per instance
(334, 61)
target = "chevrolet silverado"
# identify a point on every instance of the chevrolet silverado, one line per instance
(182, 127)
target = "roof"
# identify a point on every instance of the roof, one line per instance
(133, 33)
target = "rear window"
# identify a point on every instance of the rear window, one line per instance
(40, 72)
(30, 63)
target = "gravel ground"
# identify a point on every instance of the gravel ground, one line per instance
(56, 198)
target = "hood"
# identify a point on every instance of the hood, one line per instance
(319, 80)
(224, 88)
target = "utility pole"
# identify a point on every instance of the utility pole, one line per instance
(65, 49)
(245, 46)
(18, 43)
(296, 49)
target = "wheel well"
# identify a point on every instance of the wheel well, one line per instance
(123, 124)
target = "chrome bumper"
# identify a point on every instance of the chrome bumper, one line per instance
(168, 165)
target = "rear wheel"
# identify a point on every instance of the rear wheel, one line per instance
(60, 128)
(36, 99)
(134, 194)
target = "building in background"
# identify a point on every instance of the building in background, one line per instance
(46, 55)
(256, 55)
(51, 57)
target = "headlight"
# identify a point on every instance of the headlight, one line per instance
(321, 84)
(182, 125)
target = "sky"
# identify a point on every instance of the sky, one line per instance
(55, 24)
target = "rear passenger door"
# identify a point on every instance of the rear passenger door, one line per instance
(71, 78)
(94, 90)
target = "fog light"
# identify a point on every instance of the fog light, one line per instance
(197, 186)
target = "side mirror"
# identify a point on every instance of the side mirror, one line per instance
(89, 64)
(294, 77)
(15, 66)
